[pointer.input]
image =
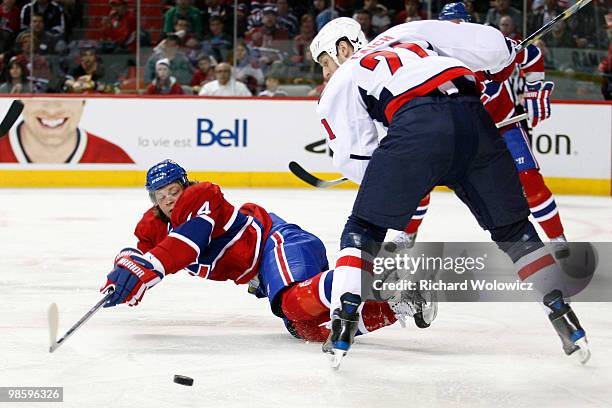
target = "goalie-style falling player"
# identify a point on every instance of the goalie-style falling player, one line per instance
(191, 225)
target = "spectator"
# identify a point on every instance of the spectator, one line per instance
(47, 43)
(410, 13)
(39, 66)
(380, 20)
(242, 19)
(286, 18)
(502, 8)
(560, 37)
(205, 72)
(119, 27)
(254, 19)
(323, 12)
(543, 14)
(301, 42)
(272, 83)
(217, 42)
(15, 77)
(10, 17)
(506, 26)
(164, 83)
(217, 8)
(364, 18)
(183, 31)
(183, 9)
(52, 12)
(269, 34)
(476, 17)
(224, 84)
(606, 65)
(179, 64)
(247, 66)
(88, 76)
(549, 63)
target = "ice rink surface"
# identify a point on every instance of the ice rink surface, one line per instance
(57, 246)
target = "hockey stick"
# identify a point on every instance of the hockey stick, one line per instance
(314, 181)
(549, 26)
(54, 321)
(11, 117)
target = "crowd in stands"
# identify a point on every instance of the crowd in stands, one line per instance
(44, 46)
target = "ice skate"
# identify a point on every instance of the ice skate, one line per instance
(344, 325)
(422, 306)
(568, 327)
(401, 242)
(560, 247)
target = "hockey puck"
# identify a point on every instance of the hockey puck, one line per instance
(183, 380)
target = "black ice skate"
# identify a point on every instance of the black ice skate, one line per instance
(343, 328)
(568, 327)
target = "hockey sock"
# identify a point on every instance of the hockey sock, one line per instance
(376, 315)
(418, 216)
(541, 203)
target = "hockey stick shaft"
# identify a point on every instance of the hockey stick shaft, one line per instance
(314, 181)
(55, 344)
(549, 26)
(11, 117)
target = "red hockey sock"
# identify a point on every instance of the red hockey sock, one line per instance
(312, 330)
(541, 202)
(417, 217)
(376, 315)
(302, 302)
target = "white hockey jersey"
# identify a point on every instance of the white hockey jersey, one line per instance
(404, 62)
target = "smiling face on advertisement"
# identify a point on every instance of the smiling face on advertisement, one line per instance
(49, 131)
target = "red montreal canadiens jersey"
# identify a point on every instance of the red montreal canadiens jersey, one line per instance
(89, 149)
(207, 235)
(404, 62)
(500, 98)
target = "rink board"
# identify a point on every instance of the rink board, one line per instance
(248, 142)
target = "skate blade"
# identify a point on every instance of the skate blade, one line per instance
(336, 359)
(583, 353)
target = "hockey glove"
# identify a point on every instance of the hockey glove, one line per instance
(537, 100)
(127, 252)
(131, 278)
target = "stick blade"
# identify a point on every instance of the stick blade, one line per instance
(53, 316)
(306, 177)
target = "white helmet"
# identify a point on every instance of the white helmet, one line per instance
(327, 39)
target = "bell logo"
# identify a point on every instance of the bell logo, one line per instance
(236, 137)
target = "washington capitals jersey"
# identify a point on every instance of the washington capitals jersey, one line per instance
(89, 149)
(500, 98)
(404, 62)
(207, 235)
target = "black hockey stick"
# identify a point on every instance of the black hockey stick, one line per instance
(11, 117)
(54, 321)
(549, 26)
(314, 181)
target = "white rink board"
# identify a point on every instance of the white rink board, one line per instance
(263, 135)
(587, 129)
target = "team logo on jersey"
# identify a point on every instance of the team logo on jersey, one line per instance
(208, 136)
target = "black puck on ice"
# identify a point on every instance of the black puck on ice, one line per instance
(183, 380)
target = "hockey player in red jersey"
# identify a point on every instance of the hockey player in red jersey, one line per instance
(500, 100)
(418, 80)
(50, 133)
(192, 226)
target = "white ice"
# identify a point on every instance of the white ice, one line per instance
(57, 245)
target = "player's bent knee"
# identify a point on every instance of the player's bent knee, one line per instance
(361, 234)
(516, 239)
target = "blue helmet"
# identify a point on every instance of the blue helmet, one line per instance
(454, 11)
(164, 173)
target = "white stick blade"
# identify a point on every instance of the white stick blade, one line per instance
(53, 316)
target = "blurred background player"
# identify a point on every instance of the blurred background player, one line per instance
(418, 80)
(192, 226)
(501, 99)
(50, 133)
